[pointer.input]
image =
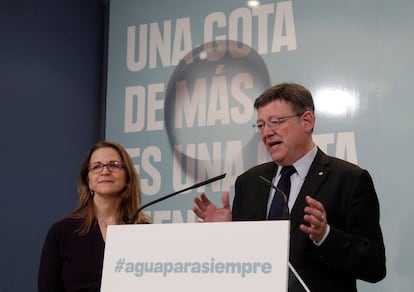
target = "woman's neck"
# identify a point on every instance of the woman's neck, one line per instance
(107, 210)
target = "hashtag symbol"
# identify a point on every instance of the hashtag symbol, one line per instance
(119, 265)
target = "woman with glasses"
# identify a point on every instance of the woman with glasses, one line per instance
(73, 251)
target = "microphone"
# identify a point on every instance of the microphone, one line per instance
(200, 184)
(277, 190)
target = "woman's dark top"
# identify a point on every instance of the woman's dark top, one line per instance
(71, 262)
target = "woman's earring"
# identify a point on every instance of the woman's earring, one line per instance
(91, 193)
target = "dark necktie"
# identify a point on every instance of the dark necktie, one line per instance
(278, 202)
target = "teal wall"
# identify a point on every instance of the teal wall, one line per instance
(355, 56)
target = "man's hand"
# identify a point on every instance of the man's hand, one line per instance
(208, 212)
(315, 215)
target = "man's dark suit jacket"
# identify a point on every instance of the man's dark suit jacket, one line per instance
(354, 248)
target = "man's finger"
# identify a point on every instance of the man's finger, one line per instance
(204, 199)
(225, 199)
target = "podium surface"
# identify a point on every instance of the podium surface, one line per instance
(225, 256)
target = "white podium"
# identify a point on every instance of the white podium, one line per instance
(226, 256)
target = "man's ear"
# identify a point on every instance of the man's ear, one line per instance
(308, 120)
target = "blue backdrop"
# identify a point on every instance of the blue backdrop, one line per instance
(51, 56)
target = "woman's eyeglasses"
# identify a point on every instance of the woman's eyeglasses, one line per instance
(112, 166)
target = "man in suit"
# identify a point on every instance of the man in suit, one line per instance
(335, 235)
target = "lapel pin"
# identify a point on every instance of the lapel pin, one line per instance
(320, 173)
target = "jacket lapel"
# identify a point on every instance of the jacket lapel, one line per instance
(316, 176)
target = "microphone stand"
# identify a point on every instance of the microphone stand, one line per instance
(133, 218)
(298, 277)
(287, 217)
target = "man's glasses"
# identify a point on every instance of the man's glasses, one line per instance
(113, 166)
(273, 123)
